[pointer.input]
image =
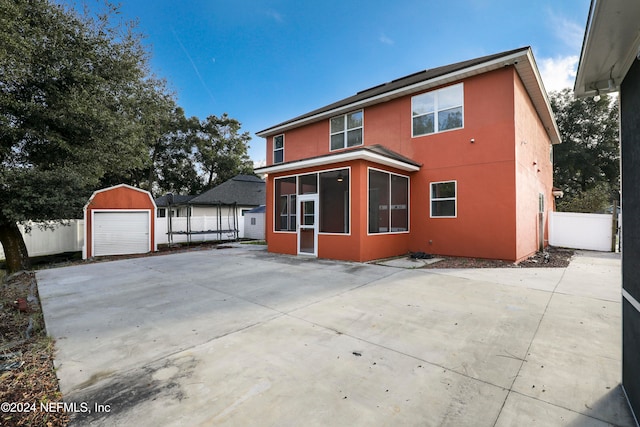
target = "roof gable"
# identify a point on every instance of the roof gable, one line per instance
(522, 59)
(244, 190)
(124, 187)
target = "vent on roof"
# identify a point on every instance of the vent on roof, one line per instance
(371, 88)
(410, 75)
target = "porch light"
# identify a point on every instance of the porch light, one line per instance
(340, 177)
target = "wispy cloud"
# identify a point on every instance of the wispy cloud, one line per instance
(276, 16)
(386, 40)
(193, 64)
(569, 32)
(558, 73)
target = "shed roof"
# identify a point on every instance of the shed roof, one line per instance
(118, 188)
(246, 190)
(259, 209)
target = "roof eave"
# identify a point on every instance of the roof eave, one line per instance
(609, 47)
(340, 157)
(532, 80)
(523, 61)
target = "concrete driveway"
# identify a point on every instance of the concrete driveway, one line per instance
(242, 337)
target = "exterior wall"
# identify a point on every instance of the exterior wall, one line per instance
(491, 221)
(534, 174)
(254, 231)
(117, 198)
(630, 145)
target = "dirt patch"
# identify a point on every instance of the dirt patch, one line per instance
(551, 258)
(27, 377)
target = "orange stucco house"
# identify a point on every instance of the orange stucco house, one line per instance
(455, 160)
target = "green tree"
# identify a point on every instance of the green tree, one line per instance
(589, 156)
(170, 165)
(75, 93)
(221, 151)
(594, 200)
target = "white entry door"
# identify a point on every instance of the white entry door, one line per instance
(308, 224)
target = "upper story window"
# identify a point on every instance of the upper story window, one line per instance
(437, 111)
(278, 149)
(346, 130)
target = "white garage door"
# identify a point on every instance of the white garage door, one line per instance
(119, 233)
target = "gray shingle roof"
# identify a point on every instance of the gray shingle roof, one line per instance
(177, 200)
(259, 209)
(246, 190)
(395, 85)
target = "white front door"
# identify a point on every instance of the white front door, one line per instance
(308, 224)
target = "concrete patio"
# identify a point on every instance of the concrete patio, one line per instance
(242, 337)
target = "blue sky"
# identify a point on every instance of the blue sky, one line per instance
(266, 61)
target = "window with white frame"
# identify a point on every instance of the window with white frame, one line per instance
(346, 130)
(278, 149)
(388, 202)
(437, 111)
(443, 199)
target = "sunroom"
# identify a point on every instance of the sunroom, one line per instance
(352, 205)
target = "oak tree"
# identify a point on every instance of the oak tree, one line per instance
(75, 95)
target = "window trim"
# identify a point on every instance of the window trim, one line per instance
(436, 111)
(408, 230)
(443, 199)
(278, 149)
(276, 202)
(349, 201)
(346, 130)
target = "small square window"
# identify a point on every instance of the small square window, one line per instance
(443, 199)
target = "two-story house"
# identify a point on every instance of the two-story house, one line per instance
(455, 160)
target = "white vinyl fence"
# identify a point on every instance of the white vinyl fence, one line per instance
(70, 238)
(580, 231)
(62, 238)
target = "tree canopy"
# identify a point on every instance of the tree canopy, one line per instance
(80, 109)
(588, 160)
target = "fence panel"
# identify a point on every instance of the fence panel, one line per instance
(580, 231)
(62, 238)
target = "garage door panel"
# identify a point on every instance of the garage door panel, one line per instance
(120, 233)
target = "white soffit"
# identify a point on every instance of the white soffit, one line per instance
(340, 157)
(610, 46)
